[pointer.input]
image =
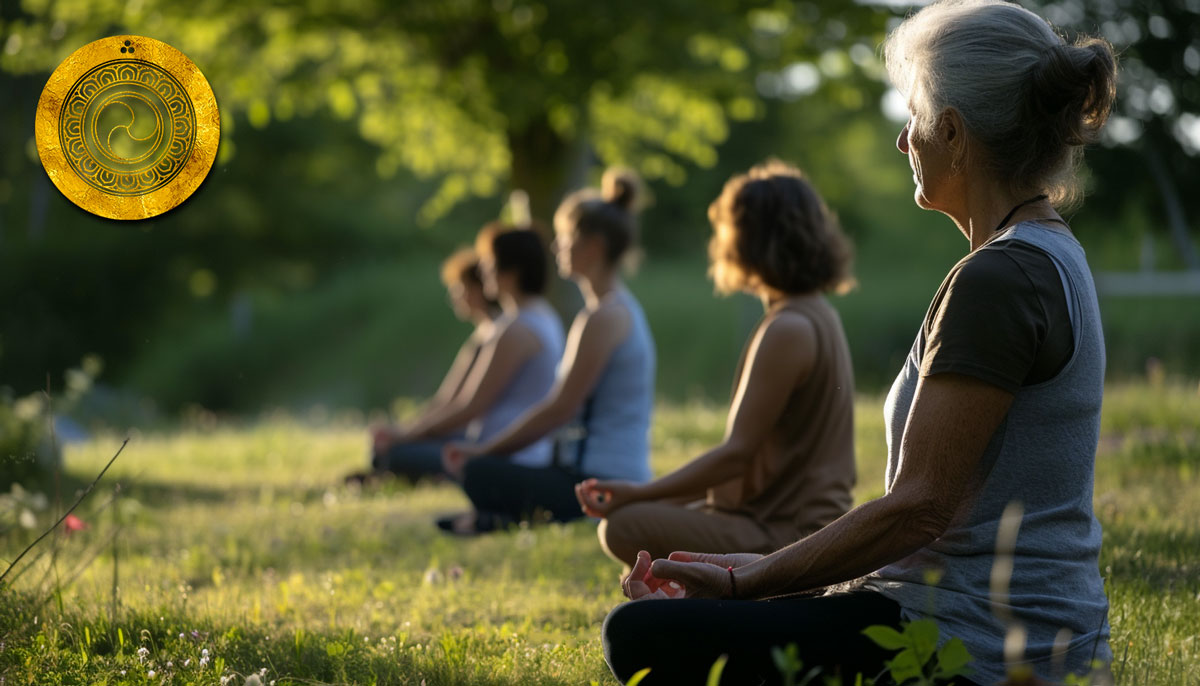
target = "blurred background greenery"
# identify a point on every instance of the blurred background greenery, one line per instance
(362, 140)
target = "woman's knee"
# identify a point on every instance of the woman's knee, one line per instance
(619, 534)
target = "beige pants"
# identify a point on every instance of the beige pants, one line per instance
(663, 528)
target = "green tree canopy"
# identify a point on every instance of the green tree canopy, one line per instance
(477, 93)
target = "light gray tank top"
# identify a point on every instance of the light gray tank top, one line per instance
(529, 385)
(1043, 456)
(615, 418)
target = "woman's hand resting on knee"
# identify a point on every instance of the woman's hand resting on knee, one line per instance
(455, 456)
(600, 498)
(384, 437)
(684, 575)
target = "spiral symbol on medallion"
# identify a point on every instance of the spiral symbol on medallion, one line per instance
(127, 127)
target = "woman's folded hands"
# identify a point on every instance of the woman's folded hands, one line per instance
(684, 575)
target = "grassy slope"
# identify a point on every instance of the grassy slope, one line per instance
(236, 533)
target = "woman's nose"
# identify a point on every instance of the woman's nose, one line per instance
(902, 140)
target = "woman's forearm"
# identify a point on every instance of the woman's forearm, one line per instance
(537, 422)
(427, 414)
(440, 420)
(951, 421)
(868, 537)
(713, 468)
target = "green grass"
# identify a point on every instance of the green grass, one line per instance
(240, 534)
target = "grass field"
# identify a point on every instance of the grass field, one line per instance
(234, 550)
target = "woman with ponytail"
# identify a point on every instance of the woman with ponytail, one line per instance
(604, 392)
(986, 524)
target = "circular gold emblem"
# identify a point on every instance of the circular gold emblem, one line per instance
(127, 127)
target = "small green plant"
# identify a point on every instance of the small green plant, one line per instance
(714, 674)
(787, 661)
(919, 661)
(637, 677)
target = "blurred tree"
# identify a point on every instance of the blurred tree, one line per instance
(475, 93)
(341, 117)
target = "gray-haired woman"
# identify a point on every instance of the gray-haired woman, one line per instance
(998, 403)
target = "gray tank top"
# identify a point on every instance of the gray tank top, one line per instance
(530, 384)
(1042, 456)
(615, 419)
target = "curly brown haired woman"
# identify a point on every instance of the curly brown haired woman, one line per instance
(786, 465)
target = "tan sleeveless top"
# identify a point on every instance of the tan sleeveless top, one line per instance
(800, 478)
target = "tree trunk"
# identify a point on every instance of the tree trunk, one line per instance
(546, 166)
(543, 165)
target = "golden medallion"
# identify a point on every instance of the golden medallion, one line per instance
(127, 127)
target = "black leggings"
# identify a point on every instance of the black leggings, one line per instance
(513, 492)
(680, 639)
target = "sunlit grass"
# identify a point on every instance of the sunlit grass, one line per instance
(244, 535)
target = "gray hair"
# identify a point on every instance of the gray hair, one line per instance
(1028, 97)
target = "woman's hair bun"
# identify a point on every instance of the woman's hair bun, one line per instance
(1074, 86)
(621, 186)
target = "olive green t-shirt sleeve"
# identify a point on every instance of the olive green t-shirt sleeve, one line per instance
(1001, 316)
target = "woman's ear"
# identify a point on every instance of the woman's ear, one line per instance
(952, 131)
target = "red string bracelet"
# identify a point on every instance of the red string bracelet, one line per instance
(732, 583)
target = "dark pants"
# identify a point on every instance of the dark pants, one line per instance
(513, 492)
(680, 639)
(413, 460)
